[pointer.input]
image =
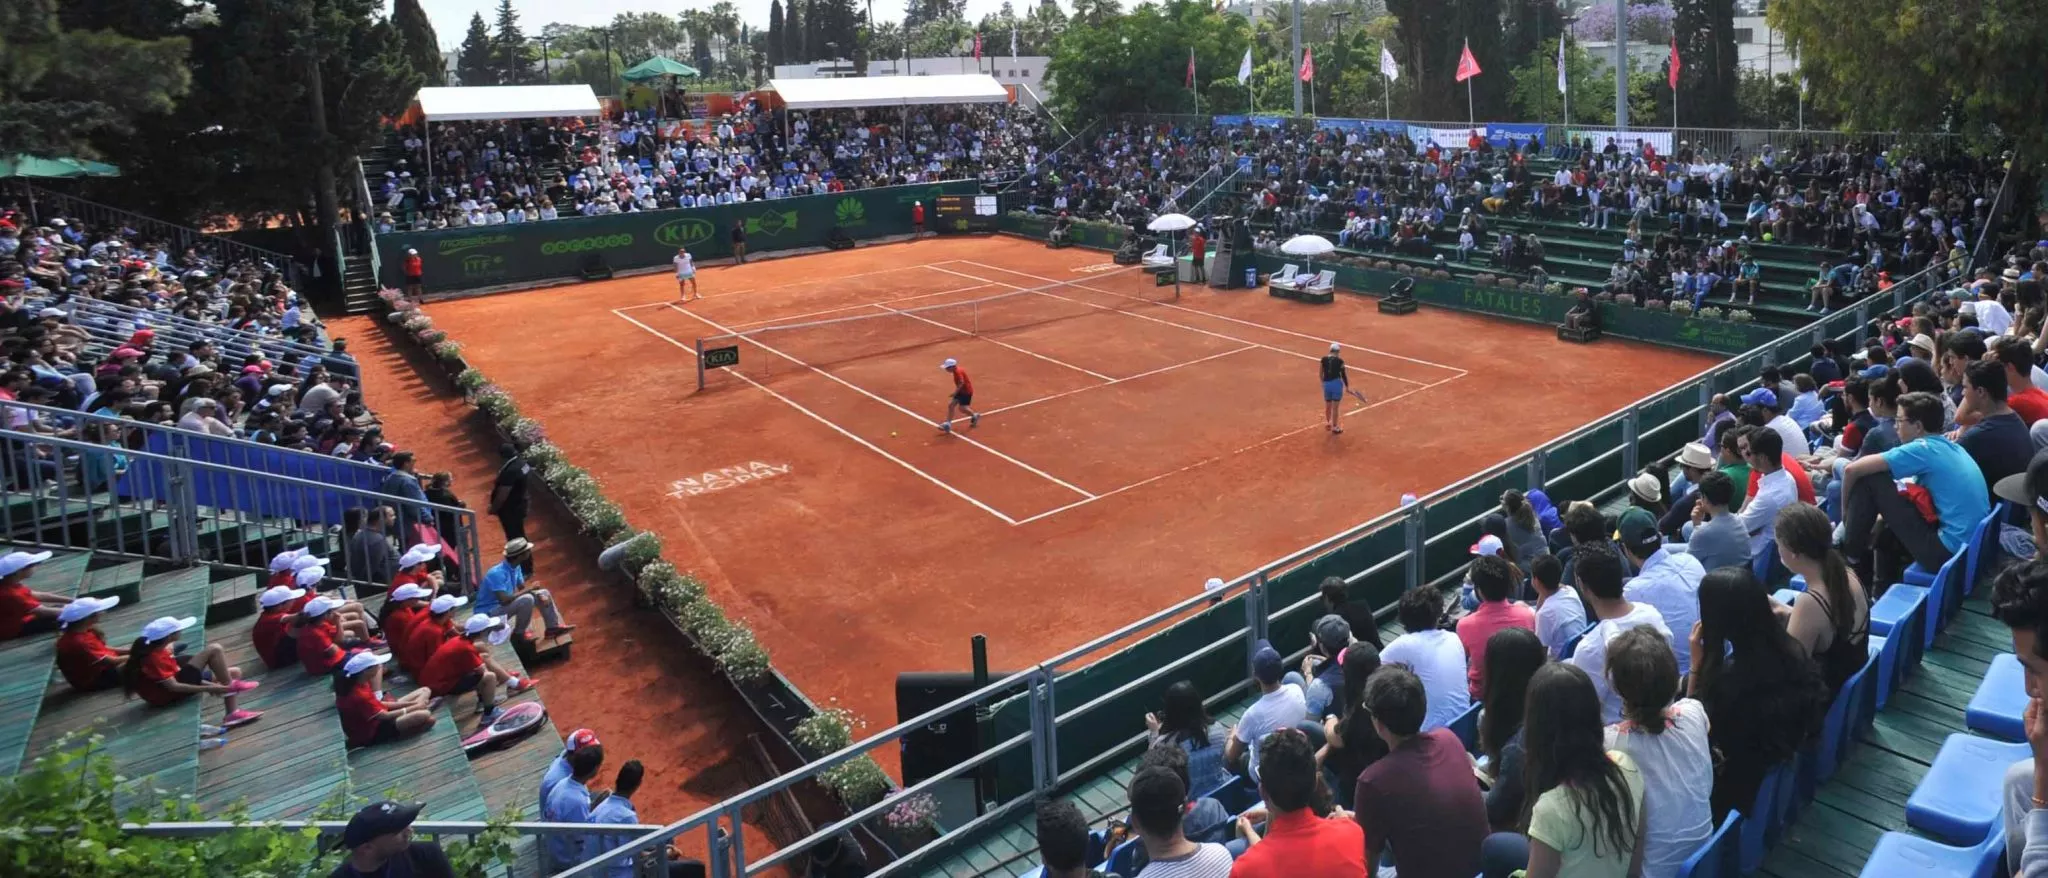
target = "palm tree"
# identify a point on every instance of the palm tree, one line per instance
(722, 23)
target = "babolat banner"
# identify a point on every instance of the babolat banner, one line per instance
(459, 259)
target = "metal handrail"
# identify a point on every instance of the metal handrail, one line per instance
(1056, 151)
(229, 250)
(187, 329)
(178, 437)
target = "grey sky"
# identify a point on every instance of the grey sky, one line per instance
(451, 17)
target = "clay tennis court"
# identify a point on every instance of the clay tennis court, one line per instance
(1132, 444)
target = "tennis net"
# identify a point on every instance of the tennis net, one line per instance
(781, 348)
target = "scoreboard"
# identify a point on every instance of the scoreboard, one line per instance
(967, 213)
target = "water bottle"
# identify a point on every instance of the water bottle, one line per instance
(1251, 277)
(213, 743)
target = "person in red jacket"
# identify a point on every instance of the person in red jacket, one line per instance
(1198, 245)
(367, 717)
(320, 644)
(88, 663)
(458, 667)
(403, 607)
(916, 219)
(155, 673)
(275, 642)
(412, 568)
(425, 634)
(24, 610)
(415, 269)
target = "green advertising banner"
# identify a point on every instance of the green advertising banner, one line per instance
(460, 259)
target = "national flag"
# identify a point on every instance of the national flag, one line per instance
(977, 47)
(1388, 68)
(1244, 68)
(1560, 66)
(1308, 64)
(1468, 66)
(1191, 68)
(1674, 63)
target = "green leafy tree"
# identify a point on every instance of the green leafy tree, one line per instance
(422, 48)
(1041, 28)
(1137, 62)
(474, 62)
(1707, 76)
(1920, 65)
(61, 86)
(587, 66)
(1534, 95)
(1526, 25)
(643, 35)
(941, 38)
(1433, 34)
(794, 49)
(509, 44)
(836, 23)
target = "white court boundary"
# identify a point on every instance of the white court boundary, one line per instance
(1086, 496)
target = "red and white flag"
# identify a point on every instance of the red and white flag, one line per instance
(977, 47)
(1308, 64)
(1191, 68)
(1468, 66)
(1674, 63)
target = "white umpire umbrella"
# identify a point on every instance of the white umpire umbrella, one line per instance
(1172, 222)
(1310, 246)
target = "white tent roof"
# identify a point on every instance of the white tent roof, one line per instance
(889, 91)
(507, 102)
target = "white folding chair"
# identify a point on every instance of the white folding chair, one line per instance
(1285, 278)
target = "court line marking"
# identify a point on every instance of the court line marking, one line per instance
(1203, 313)
(992, 340)
(770, 289)
(907, 413)
(1255, 445)
(757, 324)
(620, 313)
(1193, 329)
(1067, 393)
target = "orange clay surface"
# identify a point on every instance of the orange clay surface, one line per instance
(1129, 448)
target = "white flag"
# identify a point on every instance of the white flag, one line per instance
(1013, 44)
(1387, 67)
(1244, 68)
(1560, 67)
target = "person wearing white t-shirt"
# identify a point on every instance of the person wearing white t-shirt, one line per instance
(686, 274)
(1560, 614)
(1599, 574)
(1764, 451)
(1158, 801)
(1435, 655)
(1669, 745)
(1281, 705)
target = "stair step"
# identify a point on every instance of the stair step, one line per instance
(122, 579)
(537, 652)
(234, 598)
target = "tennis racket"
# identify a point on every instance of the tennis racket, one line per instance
(1359, 396)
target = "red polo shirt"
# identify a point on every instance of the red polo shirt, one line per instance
(82, 654)
(1799, 479)
(1299, 844)
(399, 621)
(317, 649)
(17, 605)
(359, 708)
(452, 661)
(272, 636)
(158, 667)
(421, 640)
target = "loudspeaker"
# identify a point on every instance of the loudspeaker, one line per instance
(950, 739)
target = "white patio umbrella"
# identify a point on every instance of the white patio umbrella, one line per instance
(1310, 246)
(1172, 222)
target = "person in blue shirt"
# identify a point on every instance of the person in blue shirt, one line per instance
(1806, 407)
(558, 770)
(1954, 484)
(570, 801)
(506, 592)
(617, 810)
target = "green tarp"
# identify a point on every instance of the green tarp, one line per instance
(44, 168)
(655, 67)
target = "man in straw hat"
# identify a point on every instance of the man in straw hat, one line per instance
(506, 590)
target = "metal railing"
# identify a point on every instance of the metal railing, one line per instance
(50, 204)
(1046, 159)
(226, 450)
(68, 493)
(324, 834)
(118, 321)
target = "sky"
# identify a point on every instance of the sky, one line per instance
(451, 17)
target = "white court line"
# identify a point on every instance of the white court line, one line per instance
(1066, 393)
(991, 340)
(1194, 329)
(755, 324)
(751, 290)
(912, 415)
(1203, 313)
(620, 312)
(1205, 462)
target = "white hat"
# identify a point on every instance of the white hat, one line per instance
(319, 606)
(1214, 584)
(1487, 545)
(304, 561)
(51, 312)
(310, 576)
(165, 627)
(15, 562)
(283, 560)
(363, 660)
(445, 603)
(419, 554)
(949, 363)
(279, 594)
(478, 623)
(1335, 347)
(1646, 487)
(411, 252)
(84, 607)
(410, 592)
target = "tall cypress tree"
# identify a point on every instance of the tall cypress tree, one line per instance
(510, 44)
(794, 49)
(474, 64)
(774, 32)
(422, 48)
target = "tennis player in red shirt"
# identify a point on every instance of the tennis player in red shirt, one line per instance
(963, 397)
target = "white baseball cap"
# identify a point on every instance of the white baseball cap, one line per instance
(363, 660)
(166, 626)
(85, 606)
(949, 363)
(1215, 583)
(410, 592)
(477, 623)
(319, 606)
(1335, 347)
(446, 603)
(310, 576)
(279, 594)
(419, 554)
(284, 560)
(15, 562)
(1487, 545)
(308, 560)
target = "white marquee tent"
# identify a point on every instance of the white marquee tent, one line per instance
(889, 91)
(507, 102)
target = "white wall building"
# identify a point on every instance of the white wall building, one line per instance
(1026, 72)
(1758, 49)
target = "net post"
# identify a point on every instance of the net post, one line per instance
(700, 363)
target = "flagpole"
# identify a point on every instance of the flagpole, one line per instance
(1470, 118)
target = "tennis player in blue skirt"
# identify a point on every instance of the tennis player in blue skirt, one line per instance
(1336, 383)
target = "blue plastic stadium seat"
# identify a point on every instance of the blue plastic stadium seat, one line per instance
(1899, 855)
(1721, 856)
(1886, 651)
(1798, 583)
(1958, 800)
(1898, 616)
(1765, 563)
(1918, 575)
(1571, 647)
(1944, 598)
(1983, 544)
(1838, 730)
(1466, 727)
(1038, 872)
(1758, 828)
(2001, 701)
(1237, 796)
(1786, 596)
(1124, 860)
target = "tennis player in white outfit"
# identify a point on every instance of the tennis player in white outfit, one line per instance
(686, 274)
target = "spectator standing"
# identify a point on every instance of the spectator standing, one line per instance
(506, 591)
(1600, 579)
(1298, 842)
(1063, 840)
(1666, 580)
(1764, 695)
(380, 845)
(403, 482)
(1281, 705)
(1436, 656)
(1668, 742)
(1184, 722)
(508, 492)
(1587, 815)
(1718, 536)
(1419, 801)
(1560, 613)
(1513, 656)
(916, 219)
(1198, 249)
(739, 241)
(1955, 489)
(1158, 800)
(370, 556)
(1493, 578)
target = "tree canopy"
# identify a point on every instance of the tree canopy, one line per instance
(62, 86)
(422, 47)
(473, 62)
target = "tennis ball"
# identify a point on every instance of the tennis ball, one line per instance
(892, 432)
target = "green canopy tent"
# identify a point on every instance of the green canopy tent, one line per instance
(657, 67)
(27, 166)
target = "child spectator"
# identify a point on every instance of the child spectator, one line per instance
(367, 717)
(155, 673)
(24, 610)
(277, 608)
(1668, 743)
(457, 667)
(84, 657)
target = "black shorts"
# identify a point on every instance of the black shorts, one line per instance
(387, 731)
(190, 675)
(963, 399)
(467, 684)
(39, 625)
